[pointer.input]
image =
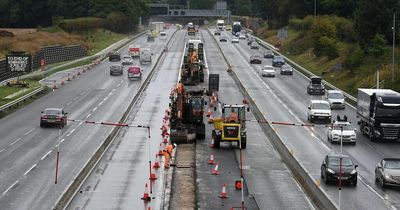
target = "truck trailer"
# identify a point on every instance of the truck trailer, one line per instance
(379, 113)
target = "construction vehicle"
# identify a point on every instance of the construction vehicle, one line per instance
(193, 63)
(187, 110)
(17, 83)
(226, 129)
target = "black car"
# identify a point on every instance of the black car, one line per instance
(278, 61)
(315, 86)
(268, 54)
(223, 39)
(114, 56)
(256, 59)
(53, 116)
(287, 69)
(150, 38)
(387, 172)
(116, 70)
(217, 33)
(330, 169)
(250, 40)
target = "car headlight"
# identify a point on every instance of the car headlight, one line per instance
(336, 135)
(330, 171)
(387, 176)
(353, 171)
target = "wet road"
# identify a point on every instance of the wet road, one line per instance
(27, 152)
(284, 99)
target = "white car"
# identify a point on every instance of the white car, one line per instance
(319, 110)
(127, 60)
(254, 45)
(268, 71)
(242, 36)
(335, 133)
(335, 99)
(235, 40)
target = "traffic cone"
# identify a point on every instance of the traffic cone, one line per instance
(215, 171)
(68, 78)
(79, 72)
(156, 163)
(223, 194)
(160, 151)
(165, 140)
(212, 143)
(152, 175)
(210, 120)
(211, 161)
(209, 112)
(146, 196)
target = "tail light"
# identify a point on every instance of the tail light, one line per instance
(44, 117)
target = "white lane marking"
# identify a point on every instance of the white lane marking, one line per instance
(88, 115)
(2, 150)
(94, 109)
(17, 140)
(73, 130)
(101, 103)
(79, 124)
(370, 188)
(62, 140)
(44, 156)
(69, 103)
(29, 170)
(9, 188)
(76, 98)
(119, 85)
(29, 131)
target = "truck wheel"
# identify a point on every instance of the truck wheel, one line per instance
(244, 142)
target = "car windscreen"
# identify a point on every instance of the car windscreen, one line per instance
(269, 68)
(335, 161)
(320, 106)
(335, 95)
(286, 67)
(346, 127)
(392, 164)
(52, 111)
(278, 59)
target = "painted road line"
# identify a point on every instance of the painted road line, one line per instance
(73, 130)
(17, 140)
(44, 156)
(62, 140)
(29, 131)
(88, 115)
(29, 170)
(10, 187)
(95, 108)
(2, 150)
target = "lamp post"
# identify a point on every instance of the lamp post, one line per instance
(340, 166)
(394, 40)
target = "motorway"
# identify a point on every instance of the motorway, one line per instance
(284, 99)
(27, 152)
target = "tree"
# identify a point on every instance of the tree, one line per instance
(378, 46)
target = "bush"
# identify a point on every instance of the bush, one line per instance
(344, 29)
(324, 27)
(301, 24)
(326, 46)
(81, 24)
(355, 57)
(378, 46)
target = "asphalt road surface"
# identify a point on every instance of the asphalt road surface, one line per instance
(27, 152)
(285, 99)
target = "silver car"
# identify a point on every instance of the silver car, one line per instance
(254, 45)
(335, 99)
(116, 70)
(387, 172)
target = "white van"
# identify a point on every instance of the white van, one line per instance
(145, 55)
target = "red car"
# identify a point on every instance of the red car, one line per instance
(134, 72)
(53, 116)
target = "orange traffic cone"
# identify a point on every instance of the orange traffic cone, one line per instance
(223, 194)
(160, 151)
(146, 196)
(165, 139)
(212, 143)
(215, 171)
(156, 163)
(209, 112)
(210, 120)
(211, 161)
(152, 175)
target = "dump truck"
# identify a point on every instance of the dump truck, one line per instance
(226, 129)
(379, 113)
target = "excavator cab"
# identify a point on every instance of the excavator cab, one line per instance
(231, 126)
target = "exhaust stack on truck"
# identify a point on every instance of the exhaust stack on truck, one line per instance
(379, 113)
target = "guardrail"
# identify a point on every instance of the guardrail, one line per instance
(317, 195)
(69, 193)
(17, 101)
(349, 98)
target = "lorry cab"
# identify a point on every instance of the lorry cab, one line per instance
(134, 50)
(145, 55)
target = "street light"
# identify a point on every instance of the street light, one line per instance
(394, 40)
(340, 165)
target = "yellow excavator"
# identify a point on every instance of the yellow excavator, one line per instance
(231, 129)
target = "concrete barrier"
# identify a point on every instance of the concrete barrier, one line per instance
(73, 187)
(315, 193)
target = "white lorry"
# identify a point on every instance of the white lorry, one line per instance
(220, 25)
(145, 55)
